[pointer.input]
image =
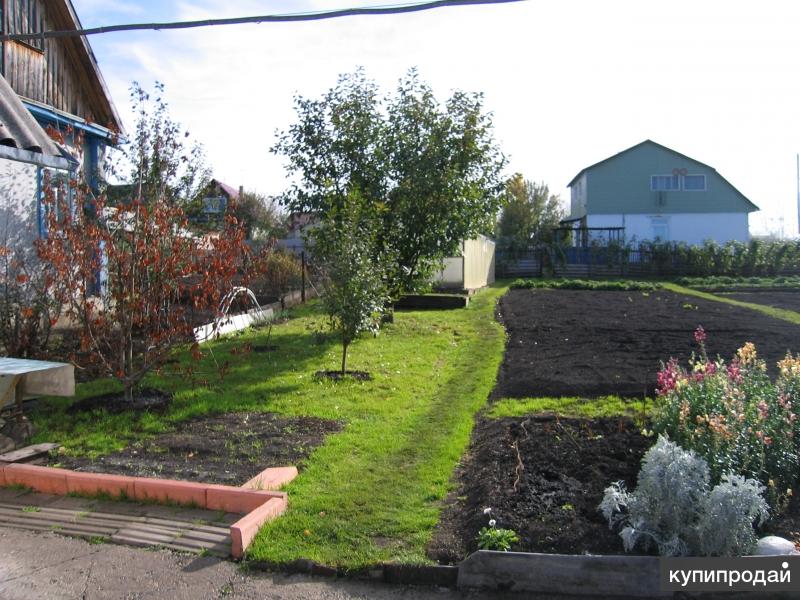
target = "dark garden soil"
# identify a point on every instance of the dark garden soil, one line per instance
(543, 477)
(788, 299)
(339, 376)
(146, 399)
(226, 449)
(593, 343)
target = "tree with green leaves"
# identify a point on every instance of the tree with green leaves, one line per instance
(429, 171)
(164, 164)
(530, 213)
(259, 215)
(354, 295)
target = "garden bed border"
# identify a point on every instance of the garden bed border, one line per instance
(257, 499)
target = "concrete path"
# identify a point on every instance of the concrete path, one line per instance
(44, 566)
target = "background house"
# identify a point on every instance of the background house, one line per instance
(650, 192)
(215, 199)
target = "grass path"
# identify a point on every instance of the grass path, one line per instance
(373, 491)
(778, 313)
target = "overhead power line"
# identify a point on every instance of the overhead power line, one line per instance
(282, 18)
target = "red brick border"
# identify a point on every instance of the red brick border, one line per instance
(259, 505)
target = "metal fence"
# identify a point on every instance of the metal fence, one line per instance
(603, 262)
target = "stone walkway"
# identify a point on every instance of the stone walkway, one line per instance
(129, 523)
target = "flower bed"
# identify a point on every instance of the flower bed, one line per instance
(544, 475)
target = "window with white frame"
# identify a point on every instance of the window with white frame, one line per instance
(660, 228)
(665, 183)
(694, 183)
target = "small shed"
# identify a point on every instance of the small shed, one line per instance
(473, 269)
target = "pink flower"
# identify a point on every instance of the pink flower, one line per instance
(763, 410)
(668, 377)
(700, 334)
(735, 372)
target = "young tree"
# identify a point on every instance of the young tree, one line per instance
(153, 267)
(29, 302)
(429, 171)
(163, 164)
(529, 215)
(259, 215)
(344, 246)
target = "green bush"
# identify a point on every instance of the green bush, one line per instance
(737, 259)
(724, 282)
(734, 416)
(585, 284)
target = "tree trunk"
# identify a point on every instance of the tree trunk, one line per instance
(344, 357)
(128, 393)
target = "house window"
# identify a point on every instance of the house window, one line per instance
(694, 183)
(660, 228)
(665, 183)
(56, 183)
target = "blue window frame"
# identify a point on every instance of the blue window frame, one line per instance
(665, 183)
(694, 183)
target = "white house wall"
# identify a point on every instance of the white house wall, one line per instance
(19, 223)
(688, 228)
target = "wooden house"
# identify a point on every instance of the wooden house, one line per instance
(58, 114)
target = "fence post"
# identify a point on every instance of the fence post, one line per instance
(303, 276)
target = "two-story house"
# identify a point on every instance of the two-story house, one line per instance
(650, 192)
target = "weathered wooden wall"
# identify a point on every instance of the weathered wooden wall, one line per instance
(51, 71)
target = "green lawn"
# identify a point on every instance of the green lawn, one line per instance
(372, 492)
(590, 408)
(777, 313)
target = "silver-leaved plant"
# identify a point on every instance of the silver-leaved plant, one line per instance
(674, 509)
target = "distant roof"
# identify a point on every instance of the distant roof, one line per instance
(18, 128)
(231, 191)
(651, 142)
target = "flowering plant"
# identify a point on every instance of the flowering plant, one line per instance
(734, 416)
(495, 538)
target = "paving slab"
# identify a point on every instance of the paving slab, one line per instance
(120, 522)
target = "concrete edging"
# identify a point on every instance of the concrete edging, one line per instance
(392, 573)
(256, 499)
(577, 575)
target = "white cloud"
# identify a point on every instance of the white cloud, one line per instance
(569, 83)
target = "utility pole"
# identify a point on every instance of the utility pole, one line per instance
(798, 193)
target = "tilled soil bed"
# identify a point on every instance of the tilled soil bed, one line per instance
(788, 299)
(593, 343)
(226, 449)
(543, 477)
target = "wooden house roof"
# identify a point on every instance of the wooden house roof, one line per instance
(82, 93)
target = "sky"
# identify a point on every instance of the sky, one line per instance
(569, 82)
